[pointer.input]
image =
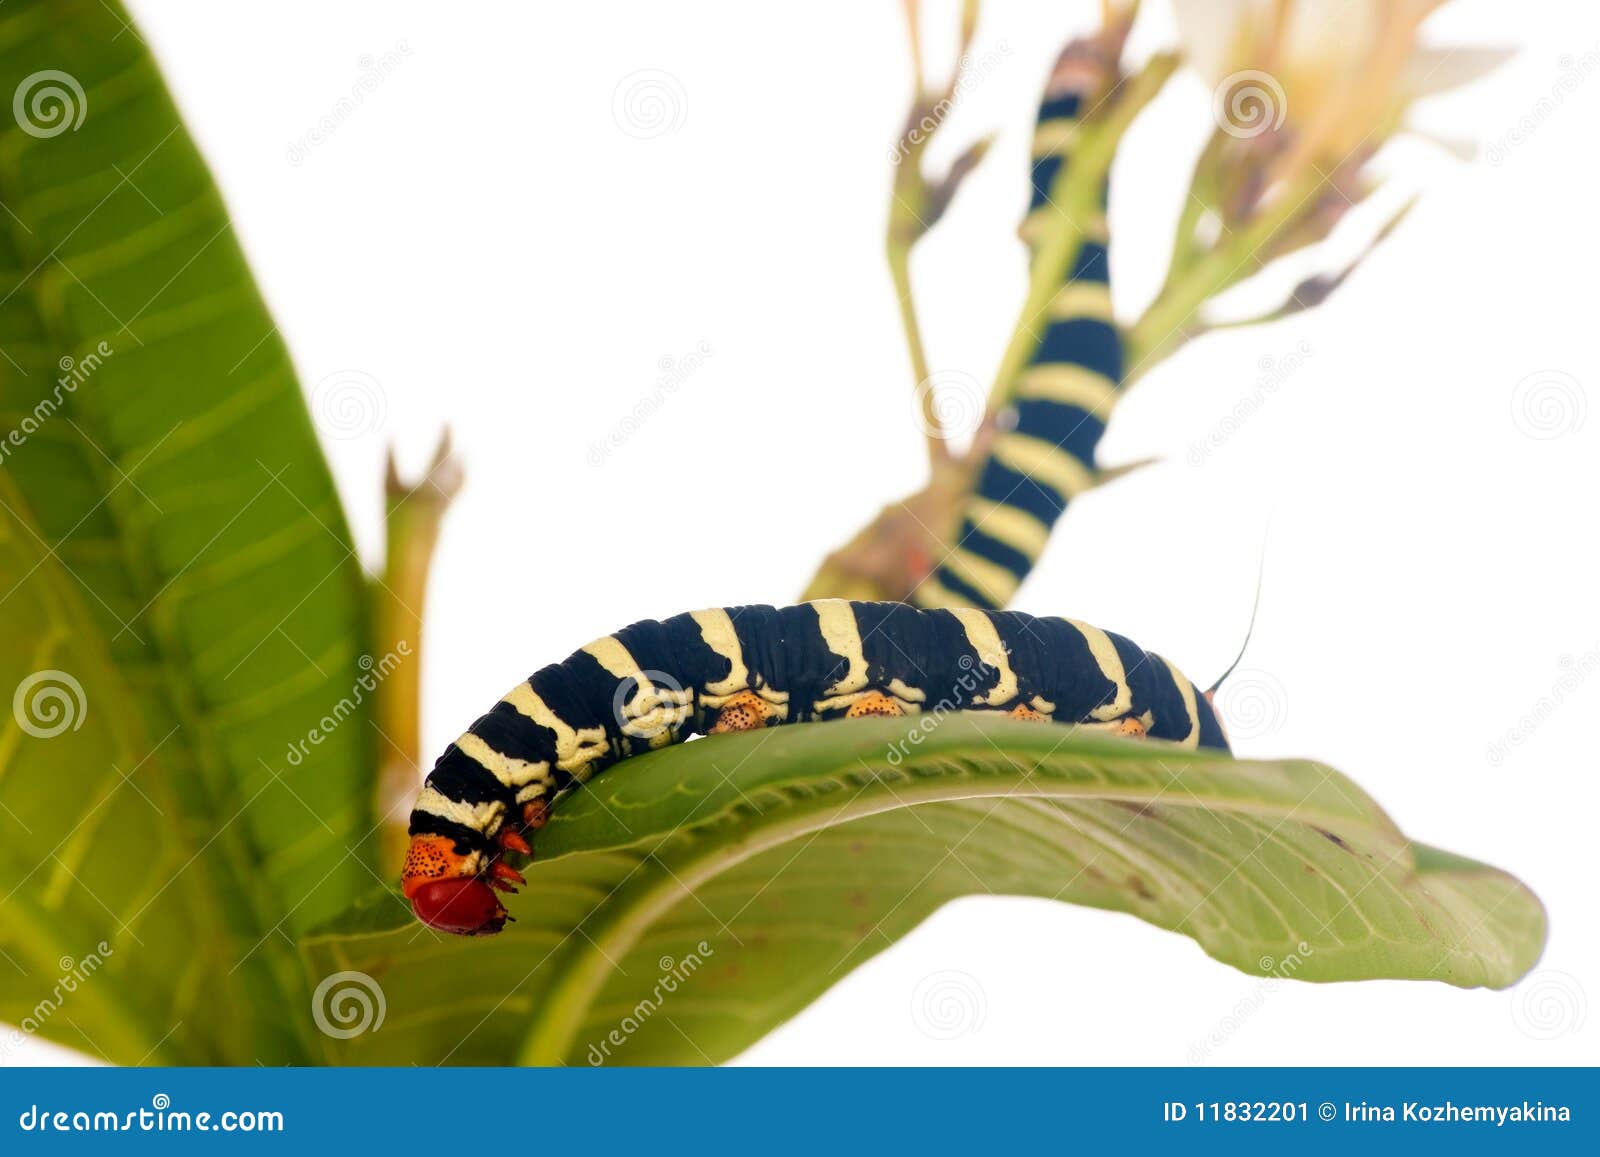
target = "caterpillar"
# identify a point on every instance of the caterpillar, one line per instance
(742, 668)
(1047, 457)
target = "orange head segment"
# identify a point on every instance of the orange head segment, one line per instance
(445, 890)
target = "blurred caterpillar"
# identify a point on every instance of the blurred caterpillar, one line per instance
(742, 668)
(1061, 397)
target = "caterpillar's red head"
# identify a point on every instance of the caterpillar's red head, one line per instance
(464, 905)
(446, 890)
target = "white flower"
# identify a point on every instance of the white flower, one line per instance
(1339, 73)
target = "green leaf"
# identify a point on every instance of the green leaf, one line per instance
(775, 862)
(172, 545)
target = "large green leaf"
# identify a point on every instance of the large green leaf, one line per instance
(797, 853)
(173, 546)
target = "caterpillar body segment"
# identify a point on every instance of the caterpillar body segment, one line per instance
(741, 668)
(1063, 395)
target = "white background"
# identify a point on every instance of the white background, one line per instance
(486, 242)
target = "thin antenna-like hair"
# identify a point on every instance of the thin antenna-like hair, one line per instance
(1255, 606)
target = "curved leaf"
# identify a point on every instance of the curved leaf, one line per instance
(164, 491)
(779, 860)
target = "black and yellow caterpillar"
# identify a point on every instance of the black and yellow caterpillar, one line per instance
(740, 668)
(1062, 397)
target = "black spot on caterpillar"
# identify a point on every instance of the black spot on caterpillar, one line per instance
(738, 668)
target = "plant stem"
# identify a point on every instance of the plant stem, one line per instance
(1171, 318)
(899, 258)
(416, 510)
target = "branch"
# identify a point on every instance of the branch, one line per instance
(415, 512)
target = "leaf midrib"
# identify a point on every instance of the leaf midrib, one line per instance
(583, 966)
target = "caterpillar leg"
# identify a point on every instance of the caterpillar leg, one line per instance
(746, 711)
(873, 703)
(1130, 728)
(1027, 714)
(511, 840)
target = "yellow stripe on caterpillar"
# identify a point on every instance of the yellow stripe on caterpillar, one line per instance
(1016, 528)
(1104, 653)
(480, 817)
(842, 634)
(985, 640)
(651, 710)
(1082, 299)
(1068, 384)
(716, 630)
(577, 748)
(509, 771)
(993, 581)
(1043, 462)
(930, 592)
(1186, 689)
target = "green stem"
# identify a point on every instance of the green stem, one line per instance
(1171, 318)
(899, 258)
(415, 513)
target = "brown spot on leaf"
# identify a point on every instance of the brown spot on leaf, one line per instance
(1333, 839)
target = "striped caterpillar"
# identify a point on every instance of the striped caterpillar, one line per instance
(1047, 457)
(742, 668)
